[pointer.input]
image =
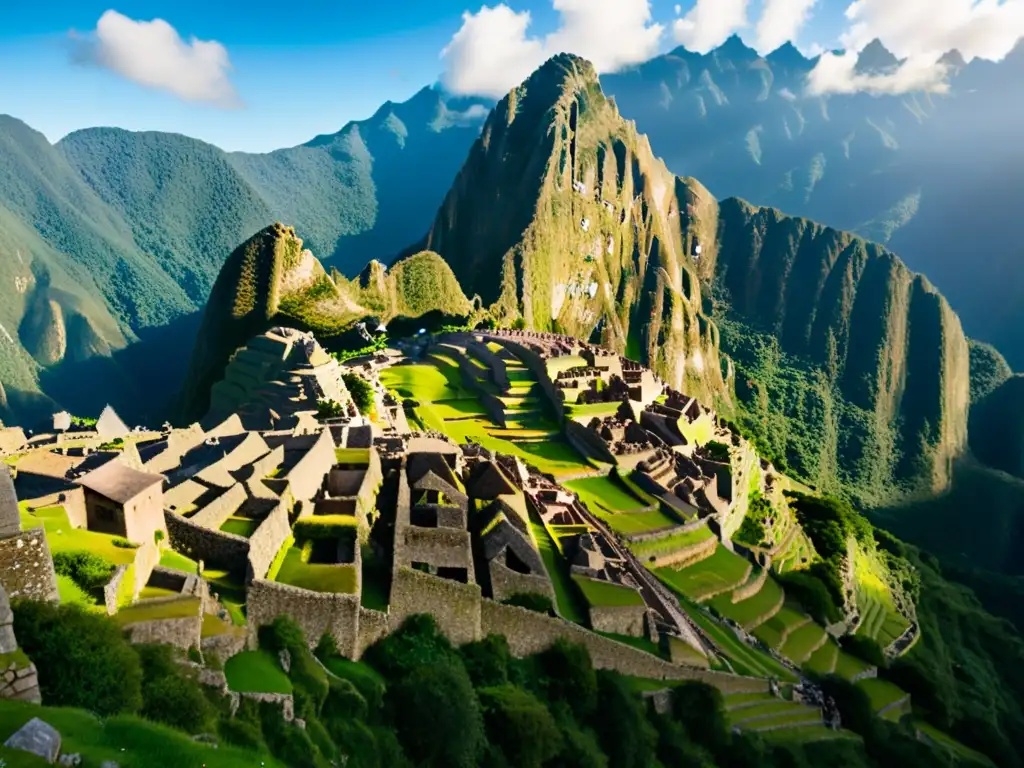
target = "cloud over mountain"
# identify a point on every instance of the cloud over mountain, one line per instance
(493, 50)
(153, 54)
(709, 23)
(920, 32)
(781, 21)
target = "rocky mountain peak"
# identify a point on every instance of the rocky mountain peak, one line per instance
(876, 59)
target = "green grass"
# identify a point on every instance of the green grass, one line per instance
(352, 455)
(617, 504)
(804, 734)
(882, 693)
(605, 594)
(823, 661)
(950, 743)
(723, 570)
(72, 594)
(567, 597)
(800, 643)
(183, 608)
(748, 611)
(61, 537)
(353, 670)
(240, 526)
(670, 544)
(446, 406)
(16, 657)
(733, 700)
(213, 626)
(129, 741)
(774, 707)
(148, 593)
(848, 666)
(744, 659)
(806, 715)
(179, 562)
(256, 672)
(606, 493)
(589, 410)
(339, 579)
(640, 643)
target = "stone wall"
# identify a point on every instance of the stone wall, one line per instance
(588, 442)
(223, 646)
(181, 633)
(315, 612)
(440, 547)
(619, 620)
(689, 555)
(309, 472)
(266, 541)
(373, 626)
(539, 368)
(455, 606)
(216, 549)
(216, 513)
(18, 678)
(529, 632)
(112, 589)
(73, 501)
(147, 557)
(751, 588)
(498, 369)
(505, 582)
(10, 517)
(26, 567)
(264, 466)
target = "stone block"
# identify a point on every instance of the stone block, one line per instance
(38, 738)
(8, 643)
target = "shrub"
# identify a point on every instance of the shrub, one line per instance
(627, 737)
(83, 658)
(158, 536)
(417, 643)
(866, 648)
(170, 693)
(532, 601)
(520, 725)
(89, 571)
(519, 324)
(327, 647)
(487, 661)
(330, 409)
(437, 715)
(344, 701)
(579, 749)
(569, 677)
(287, 742)
(700, 709)
(717, 451)
(362, 394)
(813, 593)
(123, 543)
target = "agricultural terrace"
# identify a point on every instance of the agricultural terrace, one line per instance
(624, 507)
(879, 618)
(445, 404)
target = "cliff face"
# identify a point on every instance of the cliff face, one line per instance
(563, 216)
(886, 340)
(997, 427)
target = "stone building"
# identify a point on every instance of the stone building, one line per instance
(124, 502)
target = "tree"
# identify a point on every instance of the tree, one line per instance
(170, 692)
(362, 394)
(418, 642)
(569, 677)
(700, 709)
(83, 658)
(520, 725)
(437, 715)
(627, 737)
(487, 661)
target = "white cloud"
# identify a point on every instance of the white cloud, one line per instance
(920, 31)
(493, 52)
(152, 54)
(781, 21)
(709, 23)
(678, 9)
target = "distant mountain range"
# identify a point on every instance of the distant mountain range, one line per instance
(939, 179)
(111, 237)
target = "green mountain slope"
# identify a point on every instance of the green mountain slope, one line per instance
(272, 279)
(885, 351)
(880, 166)
(135, 226)
(592, 236)
(562, 215)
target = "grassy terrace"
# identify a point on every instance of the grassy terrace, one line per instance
(823, 661)
(182, 608)
(61, 537)
(352, 455)
(567, 596)
(743, 659)
(774, 631)
(624, 509)
(333, 578)
(131, 742)
(256, 672)
(669, 544)
(882, 693)
(240, 526)
(802, 642)
(723, 570)
(754, 608)
(607, 595)
(447, 406)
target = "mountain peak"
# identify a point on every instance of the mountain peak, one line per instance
(876, 59)
(735, 48)
(953, 59)
(563, 69)
(788, 55)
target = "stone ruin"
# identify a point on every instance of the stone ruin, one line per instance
(18, 678)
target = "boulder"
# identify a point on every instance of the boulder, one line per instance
(37, 737)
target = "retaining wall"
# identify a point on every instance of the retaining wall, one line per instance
(181, 633)
(266, 541)
(455, 606)
(26, 567)
(306, 477)
(619, 620)
(751, 588)
(373, 626)
(216, 549)
(315, 612)
(588, 442)
(505, 583)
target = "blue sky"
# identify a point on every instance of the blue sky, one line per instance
(299, 68)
